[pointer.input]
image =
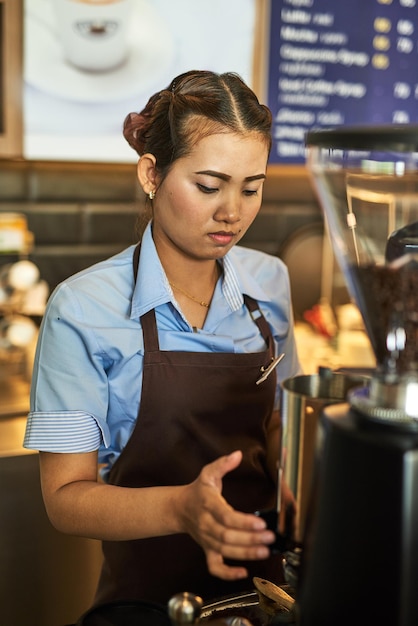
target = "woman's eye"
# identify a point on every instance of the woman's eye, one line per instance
(206, 189)
(250, 192)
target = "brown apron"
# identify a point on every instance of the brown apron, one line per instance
(194, 408)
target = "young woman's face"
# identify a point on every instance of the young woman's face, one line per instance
(209, 198)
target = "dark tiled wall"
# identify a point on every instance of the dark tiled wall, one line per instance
(79, 214)
(82, 213)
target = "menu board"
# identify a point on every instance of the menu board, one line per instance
(339, 62)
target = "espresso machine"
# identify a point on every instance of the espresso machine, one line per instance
(359, 562)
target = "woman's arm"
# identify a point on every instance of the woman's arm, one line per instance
(77, 503)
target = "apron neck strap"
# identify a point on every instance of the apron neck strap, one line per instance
(251, 304)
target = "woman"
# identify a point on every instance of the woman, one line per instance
(150, 364)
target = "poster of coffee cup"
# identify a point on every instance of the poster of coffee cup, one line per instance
(88, 63)
(94, 33)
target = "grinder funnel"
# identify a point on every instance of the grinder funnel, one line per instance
(366, 179)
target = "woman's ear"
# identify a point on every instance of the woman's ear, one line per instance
(147, 172)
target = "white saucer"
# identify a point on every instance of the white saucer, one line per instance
(151, 56)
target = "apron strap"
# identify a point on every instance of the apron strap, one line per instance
(258, 318)
(149, 326)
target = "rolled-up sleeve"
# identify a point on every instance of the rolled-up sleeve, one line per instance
(69, 391)
(66, 431)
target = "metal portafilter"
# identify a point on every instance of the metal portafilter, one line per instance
(185, 608)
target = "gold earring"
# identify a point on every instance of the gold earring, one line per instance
(151, 195)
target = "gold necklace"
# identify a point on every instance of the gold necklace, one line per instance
(201, 302)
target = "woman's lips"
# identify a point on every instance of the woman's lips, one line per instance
(222, 237)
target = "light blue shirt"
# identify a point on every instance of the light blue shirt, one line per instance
(87, 375)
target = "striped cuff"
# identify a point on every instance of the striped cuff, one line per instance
(65, 431)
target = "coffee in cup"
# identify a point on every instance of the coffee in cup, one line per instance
(94, 33)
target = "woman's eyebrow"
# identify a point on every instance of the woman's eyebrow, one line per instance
(226, 177)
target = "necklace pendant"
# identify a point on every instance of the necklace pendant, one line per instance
(189, 296)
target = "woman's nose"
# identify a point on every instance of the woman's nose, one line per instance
(230, 210)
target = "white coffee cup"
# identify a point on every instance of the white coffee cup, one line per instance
(93, 33)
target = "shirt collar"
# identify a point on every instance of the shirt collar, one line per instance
(152, 288)
(241, 279)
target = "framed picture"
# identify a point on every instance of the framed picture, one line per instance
(75, 113)
(11, 126)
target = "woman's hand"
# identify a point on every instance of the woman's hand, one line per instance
(221, 531)
(80, 505)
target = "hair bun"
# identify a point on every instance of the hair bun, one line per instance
(132, 126)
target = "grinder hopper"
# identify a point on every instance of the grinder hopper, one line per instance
(367, 183)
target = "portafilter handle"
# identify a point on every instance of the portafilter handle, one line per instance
(185, 608)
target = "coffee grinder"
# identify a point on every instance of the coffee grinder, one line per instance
(360, 548)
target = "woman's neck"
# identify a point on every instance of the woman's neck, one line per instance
(193, 289)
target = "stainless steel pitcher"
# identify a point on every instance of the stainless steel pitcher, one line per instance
(303, 398)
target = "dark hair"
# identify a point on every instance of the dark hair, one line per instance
(195, 104)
